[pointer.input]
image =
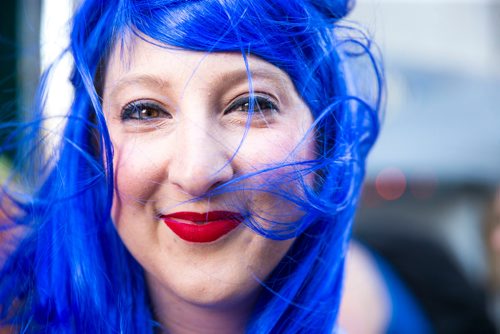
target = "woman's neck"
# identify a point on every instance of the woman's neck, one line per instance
(179, 316)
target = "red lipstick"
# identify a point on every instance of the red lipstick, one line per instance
(202, 227)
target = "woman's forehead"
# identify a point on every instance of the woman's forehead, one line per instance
(142, 62)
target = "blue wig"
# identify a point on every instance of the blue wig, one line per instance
(70, 272)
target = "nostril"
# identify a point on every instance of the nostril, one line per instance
(198, 180)
(217, 187)
(200, 166)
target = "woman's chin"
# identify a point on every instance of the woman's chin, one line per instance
(205, 290)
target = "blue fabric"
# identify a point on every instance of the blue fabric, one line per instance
(407, 316)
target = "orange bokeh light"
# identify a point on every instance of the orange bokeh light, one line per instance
(390, 183)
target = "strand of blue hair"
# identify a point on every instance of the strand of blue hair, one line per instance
(70, 272)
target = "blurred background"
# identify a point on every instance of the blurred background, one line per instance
(433, 174)
(434, 171)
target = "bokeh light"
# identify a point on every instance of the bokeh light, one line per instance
(390, 183)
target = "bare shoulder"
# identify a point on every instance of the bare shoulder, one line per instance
(365, 306)
(9, 233)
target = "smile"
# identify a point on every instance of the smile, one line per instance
(202, 227)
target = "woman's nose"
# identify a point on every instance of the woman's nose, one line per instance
(201, 160)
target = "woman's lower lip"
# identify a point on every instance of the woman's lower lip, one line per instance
(206, 232)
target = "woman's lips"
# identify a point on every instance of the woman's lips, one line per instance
(202, 227)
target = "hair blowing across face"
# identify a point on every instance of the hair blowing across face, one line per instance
(70, 272)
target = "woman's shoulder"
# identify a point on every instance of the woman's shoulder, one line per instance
(364, 289)
(10, 231)
(7, 330)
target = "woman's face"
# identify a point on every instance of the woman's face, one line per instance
(176, 119)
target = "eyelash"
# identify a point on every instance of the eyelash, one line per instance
(261, 104)
(134, 111)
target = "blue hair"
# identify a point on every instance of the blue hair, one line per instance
(71, 273)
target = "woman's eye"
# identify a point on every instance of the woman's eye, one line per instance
(141, 110)
(260, 105)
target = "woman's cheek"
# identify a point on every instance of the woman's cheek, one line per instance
(137, 171)
(272, 203)
(271, 148)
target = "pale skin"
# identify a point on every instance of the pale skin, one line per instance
(366, 306)
(175, 123)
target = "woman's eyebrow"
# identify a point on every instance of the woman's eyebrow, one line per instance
(146, 80)
(239, 75)
(228, 78)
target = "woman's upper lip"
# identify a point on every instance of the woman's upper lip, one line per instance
(199, 217)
